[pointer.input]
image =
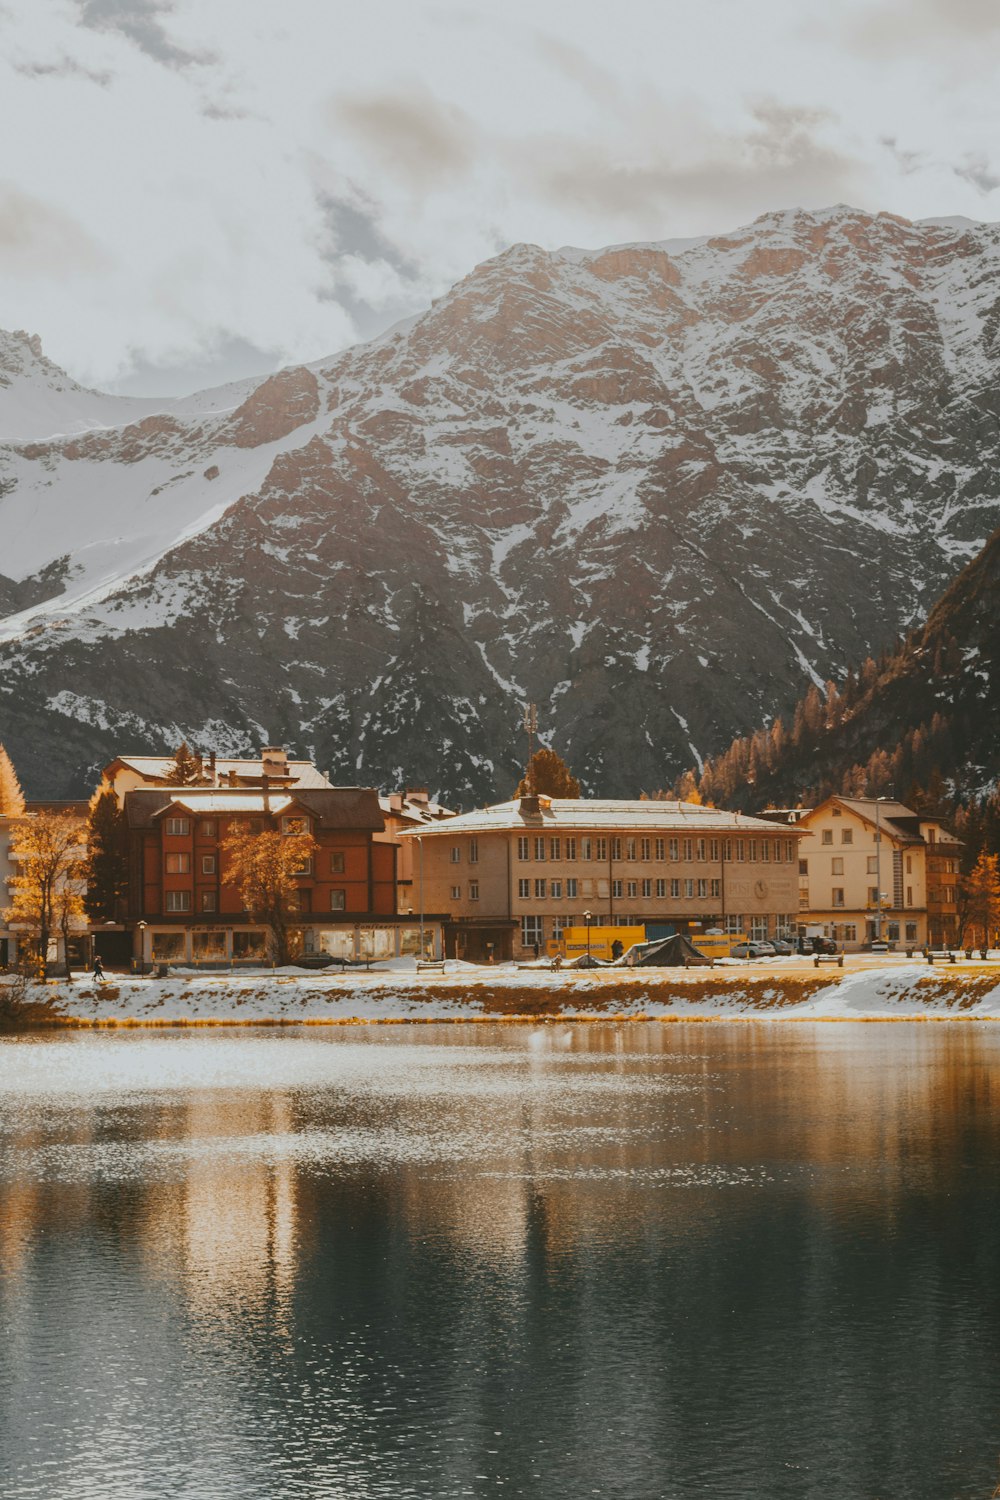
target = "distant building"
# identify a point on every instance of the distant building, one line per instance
(408, 812)
(129, 773)
(517, 874)
(862, 858)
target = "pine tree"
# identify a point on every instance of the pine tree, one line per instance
(11, 796)
(107, 860)
(549, 775)
(187, 769)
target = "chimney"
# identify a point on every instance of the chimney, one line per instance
(274, 762)
(265, 783)
(417, 794)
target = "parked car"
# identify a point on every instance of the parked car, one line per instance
(824, 945)
(782, 946)
(753, 950)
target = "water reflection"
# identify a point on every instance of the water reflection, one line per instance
(612, 1260)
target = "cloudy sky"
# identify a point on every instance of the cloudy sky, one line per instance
(193, 190)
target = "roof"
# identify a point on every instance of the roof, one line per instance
(899, 821)
(156, 768)
(351, 807)
(585, 815)
(413, 810)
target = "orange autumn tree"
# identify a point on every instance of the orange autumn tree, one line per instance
(263, 867)
(981, 890)
(47, 851)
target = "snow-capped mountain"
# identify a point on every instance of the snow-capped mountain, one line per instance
(656, 489)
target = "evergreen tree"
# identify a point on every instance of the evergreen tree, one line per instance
(11, 796)
(187, 769)
(549, 775)
(107, 860)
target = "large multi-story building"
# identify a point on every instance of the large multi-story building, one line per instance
(873, 867)
(517, 874)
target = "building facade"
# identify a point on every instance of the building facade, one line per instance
(185, 909)
(871, 868)
(515, 875)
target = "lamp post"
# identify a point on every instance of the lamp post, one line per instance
(878, 867)
(420, 846)
(141, 929)
(588, 917)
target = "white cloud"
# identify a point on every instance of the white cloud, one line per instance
(193, 180)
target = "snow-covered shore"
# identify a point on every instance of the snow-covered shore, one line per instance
(892, 989)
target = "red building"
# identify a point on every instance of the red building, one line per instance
(185, 909)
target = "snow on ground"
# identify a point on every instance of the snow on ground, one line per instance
(869, 989)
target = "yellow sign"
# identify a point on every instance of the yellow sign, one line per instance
(602, 940)
(716, 945)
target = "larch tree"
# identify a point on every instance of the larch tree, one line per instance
(548, 775)
(263, 867)
(47, 851)
(187, 768)
(11, 796)
(981, 890)
(107, 858)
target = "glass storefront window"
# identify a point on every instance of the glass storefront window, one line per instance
(208, 947)
(409, 942)
(250, 947)
(337, 944)
(169, 947)
(378, 942)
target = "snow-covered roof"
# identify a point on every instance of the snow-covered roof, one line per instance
(203, 802)
(156, 767)
(585, 815)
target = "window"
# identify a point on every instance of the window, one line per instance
(675, 890)
(539, 848)
(522, 848)
(571, 890)
(523, 890)
(717, 888)
(571, 848)
(294, 825)
(838, 895)
(892, 932)
(674, 849)
(713, 849)
(660, 849)
(338, 900)
(847, 835)
(555, 845)
(911, 932)
(473, 851)
(456, 893)
(249, 945)
(600, 848)
(616, 889)
(555, 889)
(765, 850)
(169, 947)
(455, 854)
(540, 890)
(304, 866)
(337, 863)
(758, 929)
(702, 889)
(688, 850)
(178, 827)
(661, 887)
(701, 849)
(909, 864)
(206, 946)
(208, 864)
(644, 849)
(909, 895)
(303, 901)
(837, 812)
(727, 848)
(836, 866)
(647, 888)
(178, 901)
(827, 836)
(873, 895)
(178, 864)
(741, 851)
(689, 890)
(207, 828)
(616, 848)
(753, 851)
(586, 847)
(531, 931)
(558, 923)
(208, 901)
(803, 867)
(631, 889)
(473, 890)
(872, 864)
(732, 924)
(630, 847)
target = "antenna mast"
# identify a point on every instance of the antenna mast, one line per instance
(530, 727)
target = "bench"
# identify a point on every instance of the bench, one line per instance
(429, 963)
(940, 956)
(828, 958)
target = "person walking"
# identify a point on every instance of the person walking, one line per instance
(98, 968)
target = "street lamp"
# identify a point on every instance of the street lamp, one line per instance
(141, 929)
(588, 917)
(420, 846)
(878, 867)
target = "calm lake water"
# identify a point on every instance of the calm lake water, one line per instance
(632, 1261)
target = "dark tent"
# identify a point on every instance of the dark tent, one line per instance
(587, 961)
(666, 953)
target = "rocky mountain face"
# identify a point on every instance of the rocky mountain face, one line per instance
(655, 489)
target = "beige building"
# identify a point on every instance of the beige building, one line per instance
(408, 812)
(518, 873)
(871, 868)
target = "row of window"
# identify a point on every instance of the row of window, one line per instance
(181, 901)
(208, 828)
(837, 895)
(871, 864)
(180, 864)
(756, 928)
(554, 890)
(645, 850)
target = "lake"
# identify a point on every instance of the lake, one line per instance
(639, 1260)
